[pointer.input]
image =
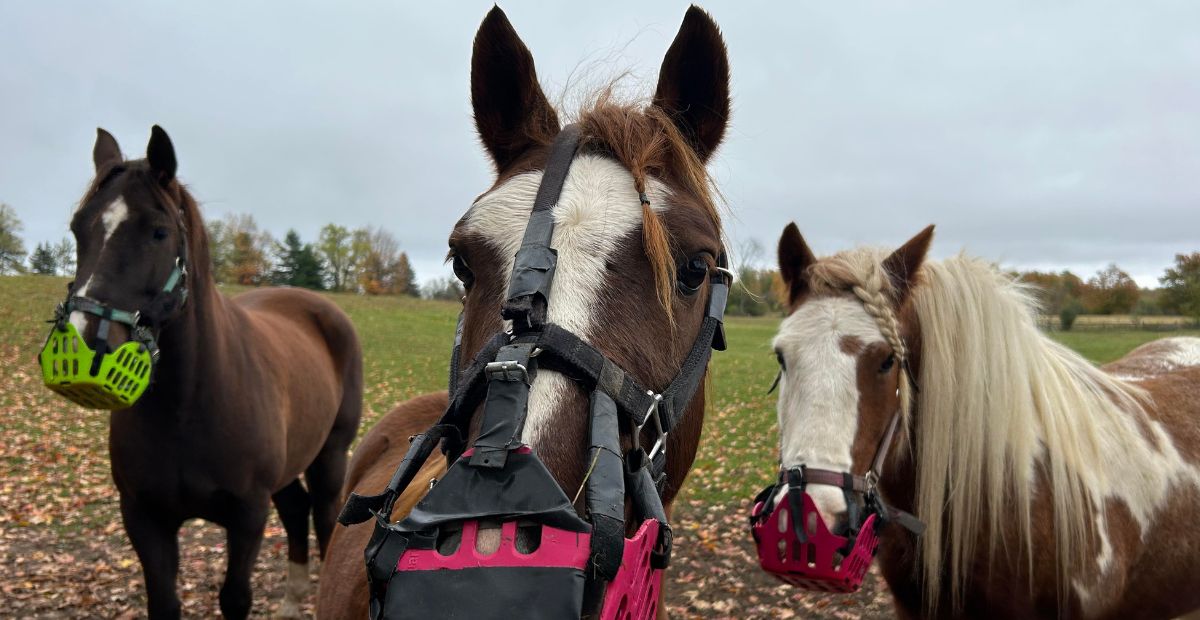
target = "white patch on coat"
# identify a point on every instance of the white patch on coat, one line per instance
(1186, 352)
(818, 391)
(114, 215)
(597, 209)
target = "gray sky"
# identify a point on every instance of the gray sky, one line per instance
(1048, 135)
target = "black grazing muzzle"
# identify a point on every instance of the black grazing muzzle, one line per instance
(582, 567)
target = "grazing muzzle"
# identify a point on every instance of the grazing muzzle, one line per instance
(105, 377)
(549, 563)
(796, 545)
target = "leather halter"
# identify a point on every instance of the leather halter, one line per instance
(503, 369)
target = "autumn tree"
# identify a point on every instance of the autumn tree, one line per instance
(382, 269)
(238, 250)
(1056, 291)
(12, 248)
(1110, 291)
(1181, 286)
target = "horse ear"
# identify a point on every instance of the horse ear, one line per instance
(795, 257)
(106, 152)
(161, 155)
(693, 84)
(512, 113)
(903, 265)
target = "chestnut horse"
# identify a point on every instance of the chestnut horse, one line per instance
(632, 278)
(1050, 487)
(248, 394)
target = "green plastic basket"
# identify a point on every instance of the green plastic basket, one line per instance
(121, 379)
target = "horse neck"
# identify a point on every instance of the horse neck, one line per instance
(187, 359)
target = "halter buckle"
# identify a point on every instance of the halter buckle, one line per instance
(652, 415)
(872, 481)
(506, 370)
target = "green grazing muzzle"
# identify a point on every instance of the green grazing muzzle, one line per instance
(70, 368)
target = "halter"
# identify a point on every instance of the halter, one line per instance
(581, 566)
(796, 545)
(108, 377)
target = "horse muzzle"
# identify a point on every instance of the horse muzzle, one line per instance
(94, 379)
(796, 545)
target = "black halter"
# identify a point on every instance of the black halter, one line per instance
(501, 374)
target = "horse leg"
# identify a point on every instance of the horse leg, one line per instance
(156, 542)
(293, 504)
(244, 534)
(325, 477)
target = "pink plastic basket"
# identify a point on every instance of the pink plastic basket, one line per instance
(816, 564)
(633, 594)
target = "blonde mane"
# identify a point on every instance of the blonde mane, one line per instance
(1002, 410)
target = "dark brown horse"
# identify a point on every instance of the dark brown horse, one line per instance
(1051, 488)
(248, 395)
(631, 279)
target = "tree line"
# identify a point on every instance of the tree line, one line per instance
(369, 261)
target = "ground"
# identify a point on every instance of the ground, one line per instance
(63, 552)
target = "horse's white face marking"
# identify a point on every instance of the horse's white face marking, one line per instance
(818, 392)
(114, 215)
(597, 209)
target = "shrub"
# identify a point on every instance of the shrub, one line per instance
(1067, 316)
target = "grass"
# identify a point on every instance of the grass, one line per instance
(406, 344)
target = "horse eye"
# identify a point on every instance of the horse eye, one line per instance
(779, 358)
(463, 272)
(160, 233)
(888, 363)
(690, 276)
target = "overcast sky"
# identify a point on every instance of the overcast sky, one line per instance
(1048, 135)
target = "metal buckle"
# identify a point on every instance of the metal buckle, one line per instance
(872, 481)
(507, 370)
(652, 414)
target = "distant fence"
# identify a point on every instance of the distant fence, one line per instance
(1105, 322)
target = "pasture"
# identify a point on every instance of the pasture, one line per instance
(64, 553)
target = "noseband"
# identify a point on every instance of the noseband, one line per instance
(582, 566)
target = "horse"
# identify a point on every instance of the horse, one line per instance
(637, 234)
(1050, 487)
(248, 393)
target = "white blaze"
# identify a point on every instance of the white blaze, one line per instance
(114, 215)
(597, 209)
(818, 392)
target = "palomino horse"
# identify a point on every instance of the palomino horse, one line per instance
(248, 393)
(632, 275)
(1050, 487)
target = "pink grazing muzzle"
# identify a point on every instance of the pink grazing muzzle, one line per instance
(818, 561)
(796, 545)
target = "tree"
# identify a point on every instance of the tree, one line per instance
(335, 247)
(42, 260)
(1181, 286)
(238, 250)
(64, 256)
(12, 249)
(1110, 291)
(445, 289)
(1057, 290)
(382, 269)
(297, 264)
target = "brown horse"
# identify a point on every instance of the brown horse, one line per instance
(1050, 487)
(248, 394)
(632, 278)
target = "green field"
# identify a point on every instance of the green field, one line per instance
(406, 346)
